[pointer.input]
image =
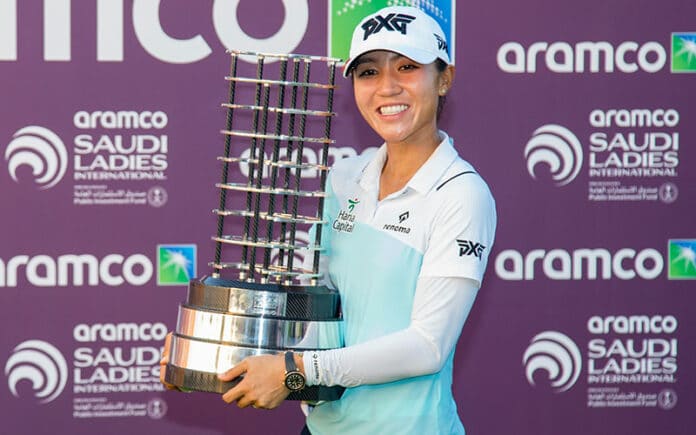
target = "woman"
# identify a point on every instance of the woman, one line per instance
(409, 267)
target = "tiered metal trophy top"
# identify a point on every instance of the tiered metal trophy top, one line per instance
(265, 300)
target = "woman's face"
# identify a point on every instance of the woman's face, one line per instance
(398, 97)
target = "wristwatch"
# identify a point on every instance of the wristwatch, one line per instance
(294, 379)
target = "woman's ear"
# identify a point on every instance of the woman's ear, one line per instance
(445, 81)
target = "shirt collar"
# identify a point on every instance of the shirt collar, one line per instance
(424, 179)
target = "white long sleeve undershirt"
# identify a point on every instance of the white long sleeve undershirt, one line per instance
(440, 308)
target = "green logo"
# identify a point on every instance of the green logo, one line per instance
(684, 52)
(352, 203)
(176, 264)
(344, 15)
(682, 259)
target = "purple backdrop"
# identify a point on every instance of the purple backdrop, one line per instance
(585, 323)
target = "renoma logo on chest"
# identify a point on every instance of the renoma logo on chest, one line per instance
(392, 22)
(399, 228)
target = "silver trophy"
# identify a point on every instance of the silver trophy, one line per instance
(276, 117)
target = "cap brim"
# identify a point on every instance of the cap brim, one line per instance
(421, 56)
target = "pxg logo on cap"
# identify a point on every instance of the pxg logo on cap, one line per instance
(391, 23)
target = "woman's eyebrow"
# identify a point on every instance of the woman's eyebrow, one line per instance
(366, 58)
(363, 59)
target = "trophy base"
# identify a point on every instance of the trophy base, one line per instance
(208, 382)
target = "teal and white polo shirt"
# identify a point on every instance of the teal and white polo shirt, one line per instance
(441, 224)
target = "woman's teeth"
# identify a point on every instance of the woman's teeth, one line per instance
(392, 110)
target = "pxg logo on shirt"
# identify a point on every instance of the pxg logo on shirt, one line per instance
(391, 22)
(467, 247)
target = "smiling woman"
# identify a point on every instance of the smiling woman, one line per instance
(398, 98)
(397, 221)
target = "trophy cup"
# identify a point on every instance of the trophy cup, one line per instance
(272, 304)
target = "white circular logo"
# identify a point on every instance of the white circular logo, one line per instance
(41, 150)
(558, 355)
(42, 364)
(557, 147)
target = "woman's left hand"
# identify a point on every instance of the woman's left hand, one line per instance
(262, 384)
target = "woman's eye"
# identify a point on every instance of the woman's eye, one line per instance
(408, 66)
(366, 72)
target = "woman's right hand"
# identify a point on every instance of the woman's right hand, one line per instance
(164, 361)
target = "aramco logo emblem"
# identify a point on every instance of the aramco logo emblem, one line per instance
(559, 149)
(556, 354)
(41, 150)
(41, 364)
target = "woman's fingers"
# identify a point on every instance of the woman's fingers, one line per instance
(234, 372)
(261, 386)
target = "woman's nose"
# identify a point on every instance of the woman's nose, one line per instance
(388, 84)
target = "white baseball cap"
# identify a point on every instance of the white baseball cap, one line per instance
(405, 30)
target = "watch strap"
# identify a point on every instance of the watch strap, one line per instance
(290, 365)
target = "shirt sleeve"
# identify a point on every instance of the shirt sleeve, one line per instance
(462, 234)
(441, 306)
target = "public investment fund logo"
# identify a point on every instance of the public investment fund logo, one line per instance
(176, 264)
(557, 355)
(684, 52)
(557, 148)
(42, 151)
(682, 259)
(42, 365)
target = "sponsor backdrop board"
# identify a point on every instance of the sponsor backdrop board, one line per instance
(580, 116)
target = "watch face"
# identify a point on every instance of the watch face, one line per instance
(294, 381)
